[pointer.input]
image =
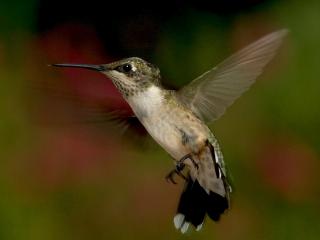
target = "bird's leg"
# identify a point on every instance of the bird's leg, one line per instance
(179, 167)
(188, 156)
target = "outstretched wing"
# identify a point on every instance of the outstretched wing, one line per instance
(210, 94)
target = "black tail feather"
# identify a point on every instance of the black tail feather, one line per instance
(195, 203)
(192, 203)
(216, 205)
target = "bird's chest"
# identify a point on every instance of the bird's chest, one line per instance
(164, 128)
(160, 119)
(171, 126)
(177, 131)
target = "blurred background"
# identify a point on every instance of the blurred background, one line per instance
(68, 173)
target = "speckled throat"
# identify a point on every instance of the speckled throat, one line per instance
(128, 89)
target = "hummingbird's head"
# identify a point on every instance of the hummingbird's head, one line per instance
(130, 75)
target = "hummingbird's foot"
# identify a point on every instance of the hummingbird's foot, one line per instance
(178, 170)
(179, 167)
(188, 156)
(196, 165)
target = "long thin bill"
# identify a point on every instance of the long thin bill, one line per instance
(86, 66)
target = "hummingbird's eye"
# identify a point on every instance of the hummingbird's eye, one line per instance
(126, 68)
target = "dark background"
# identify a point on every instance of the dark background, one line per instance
(68, 173)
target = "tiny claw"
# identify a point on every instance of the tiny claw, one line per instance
(170, 178)
(177, 170)
(179, 167)
(181, 175)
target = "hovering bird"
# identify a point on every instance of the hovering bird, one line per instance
(177, 120)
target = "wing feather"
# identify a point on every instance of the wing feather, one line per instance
(210, 94)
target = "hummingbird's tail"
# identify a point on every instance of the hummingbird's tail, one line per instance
(195, 203)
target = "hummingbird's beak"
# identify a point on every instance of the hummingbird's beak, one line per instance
(100, 68)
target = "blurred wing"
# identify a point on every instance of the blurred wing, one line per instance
(210, 94)
(53, 104)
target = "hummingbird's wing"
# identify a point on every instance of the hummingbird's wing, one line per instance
(210, 94)
(52, 103)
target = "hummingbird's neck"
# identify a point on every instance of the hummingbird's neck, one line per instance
(147, 102)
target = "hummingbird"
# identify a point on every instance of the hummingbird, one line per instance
(178, 120)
